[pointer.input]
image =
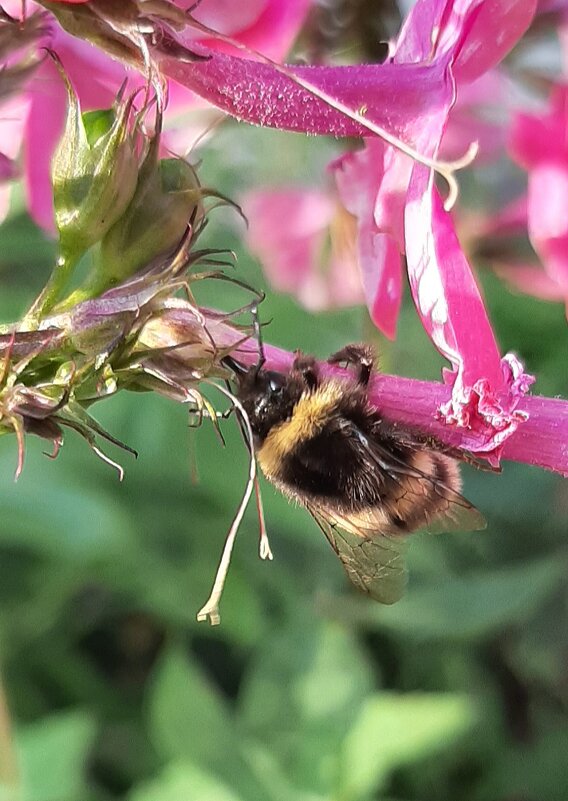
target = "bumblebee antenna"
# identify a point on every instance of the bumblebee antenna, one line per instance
(258, 335)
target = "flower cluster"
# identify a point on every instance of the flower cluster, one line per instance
(126, 325)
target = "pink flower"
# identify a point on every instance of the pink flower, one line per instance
(267, 24)
(459, 37)
(290, 231)
(539, 144)
(12, 120)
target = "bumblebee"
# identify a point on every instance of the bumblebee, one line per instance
(367, 481)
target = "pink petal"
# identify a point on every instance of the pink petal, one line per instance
(548, 223)
(287, 251)
(382, 278)
(398, 98)
(482, 22)
(268, 26)
(548, 200)
(443, 287)
(496, 29)
(44, 127)
(539, 138)
(359, 176)
(531, 280)
(486, 390)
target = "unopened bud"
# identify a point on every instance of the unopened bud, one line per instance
(166, 197)
(94, 172)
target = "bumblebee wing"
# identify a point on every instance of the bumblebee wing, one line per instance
(451, 511)
(373, 562)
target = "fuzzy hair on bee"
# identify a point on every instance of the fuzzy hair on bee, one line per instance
(367, 481)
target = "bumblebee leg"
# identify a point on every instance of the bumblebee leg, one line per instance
(360, 356)
(306, 369)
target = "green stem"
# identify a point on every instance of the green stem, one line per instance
(52, 291)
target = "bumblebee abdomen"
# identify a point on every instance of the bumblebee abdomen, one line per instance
(415, 500)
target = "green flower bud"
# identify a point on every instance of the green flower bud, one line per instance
(166, 197)
(94, 173)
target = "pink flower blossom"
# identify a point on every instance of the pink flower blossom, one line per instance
(12, 120)
(291, 232)
(459, 38)
(501, 231)
(539, 144)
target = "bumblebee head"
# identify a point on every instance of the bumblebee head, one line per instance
(267, 396)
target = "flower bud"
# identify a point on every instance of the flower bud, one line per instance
(94, 172)
(166, 197)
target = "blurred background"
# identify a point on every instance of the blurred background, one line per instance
(307, 691)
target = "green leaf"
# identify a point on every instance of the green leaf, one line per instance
(303, 696)
(62, 519)
(53, 753)
(393, 730)
(189, 720)
(539, 771)
(184, 781)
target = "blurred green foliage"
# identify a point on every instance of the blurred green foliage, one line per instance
(307, 691)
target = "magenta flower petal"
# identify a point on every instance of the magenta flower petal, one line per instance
(44, 126)
(531, 280)
(383, 286)
(398, 98)
(269, 26)
(486, 389)
(548, 221)
(499, 23)
(534, 139)
(443, 287)
(466, 26)
(380, 223)
(539, 143)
